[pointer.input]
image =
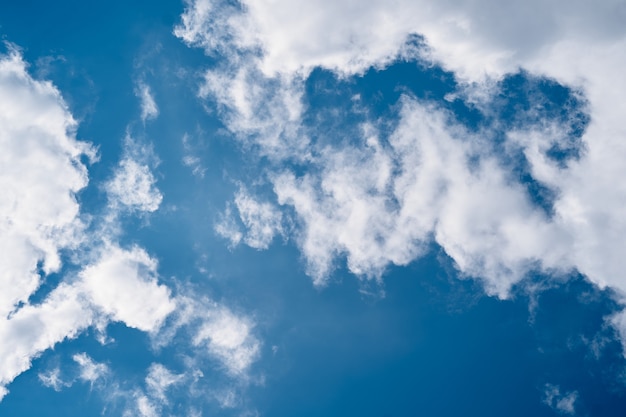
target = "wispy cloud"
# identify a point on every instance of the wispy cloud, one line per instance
(149, 108)
(52, 379)
(262, 221)
(90, 371)
(564, 403)
(160, 379)
(191, 159)
(217, 332)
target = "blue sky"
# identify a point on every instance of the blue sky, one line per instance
(330, 208)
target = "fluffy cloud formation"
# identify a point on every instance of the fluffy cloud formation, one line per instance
(471, 38)
(283, 50)
(40, 163)
(380, 204)
(123, 285)
(119, 286)
(35, 328)
(40, 174)
(376, 204)
(133, 187)
(40, 217)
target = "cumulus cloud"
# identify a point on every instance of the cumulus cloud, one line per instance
(341, 206)
(379, 204)
(205, 334)
(40, 163)
(40, 217)
(252, 103)
(472, 38)
(123, 285)
(144, 407)
(133, 187)
(40, 174)
(35, 328)
(153, 398)
(119, 286)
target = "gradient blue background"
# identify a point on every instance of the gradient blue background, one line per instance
(433, 345)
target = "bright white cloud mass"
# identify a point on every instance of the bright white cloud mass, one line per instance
(41, 164)
(379, 205)
(508, 190)
(41, 174)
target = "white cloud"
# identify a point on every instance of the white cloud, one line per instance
(39, 162)
(145, 407)
(226, 398)
(123, 285)
(213, 331)
(271, 46)
(153, 400)
(195, 164)
(53, 379)
(564, 403)
(149, 109)
(217, 332)
(251, 102)
(35, 328)
(40, 173)
(379, 205)
(229, 338)
(159, 380)
(133, 187)
(90, 371)
(191, 159)
(618, 321)
(164, 391)
(473, 38)
(40, 176)
(150, 402)
(39, 217)
(228, 228)
(261, 220)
